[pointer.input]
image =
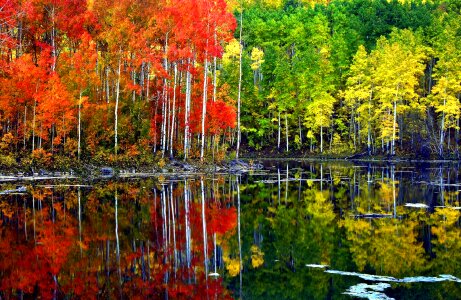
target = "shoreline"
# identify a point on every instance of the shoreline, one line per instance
(87, 171)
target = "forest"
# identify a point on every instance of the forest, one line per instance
(146, 80)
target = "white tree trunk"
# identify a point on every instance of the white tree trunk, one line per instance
(286, 129)
(442, 127)
(279, 134)
(148, 81)
(53, 42)
(237, 152)
(107, 85)
(25, 126)
(165, 101)
(204, 100)
(33, 127)
(79, 125)
(369, 125)
(173, 110)
(321, 139)
(394, 128)
(117, 96)
(187, 111)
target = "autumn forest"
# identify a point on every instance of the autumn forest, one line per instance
(143, 80)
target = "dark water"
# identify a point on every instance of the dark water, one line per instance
(262, 235)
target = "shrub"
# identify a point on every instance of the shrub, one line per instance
(41, 158)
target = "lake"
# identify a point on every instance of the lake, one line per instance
(295, 230)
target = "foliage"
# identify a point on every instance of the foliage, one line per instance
(112, 81)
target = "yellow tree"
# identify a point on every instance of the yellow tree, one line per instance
(399, 65)
(359, 93)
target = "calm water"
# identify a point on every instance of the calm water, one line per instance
(262, 235)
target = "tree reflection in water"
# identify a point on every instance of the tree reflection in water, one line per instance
(228, 236)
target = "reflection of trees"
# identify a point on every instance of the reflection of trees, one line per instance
(283, 237)
(30, 264)
(74, 253)
(307, 229)
(164, 228)
(447, 241)
(388, 246)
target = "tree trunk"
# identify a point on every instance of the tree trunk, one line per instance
(279, 133)
(174, 109)
(352, 130)
(33, 127)
(187, 111)
(52, 137)
(442, 128)
(79, 125)
(394, 124)
(117, 95)
(457, 138)
(214, 95)
(321, 139)
(133, 75)
(53, 42)
(204, 100)
(286, 130)
(165, 100)
(148, 81)
(25, 126)
(155, 118)
(107, 85)
(442, 134)
(300, 132)
(369, 125)
(239, 86)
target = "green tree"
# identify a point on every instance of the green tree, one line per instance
(447, 75)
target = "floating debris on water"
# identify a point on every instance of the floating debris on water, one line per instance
(369, 291)
(382, 278)
(440, 278)
(317, 266)
(368, 277)
(372, 216)
(417, 205)
(374, 291)
(18, 190)
(450, 207)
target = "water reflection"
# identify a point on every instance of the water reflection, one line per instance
(235, 236)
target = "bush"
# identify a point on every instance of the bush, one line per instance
(71, 147)
(62, 162)
(7, 161)
(41, 158)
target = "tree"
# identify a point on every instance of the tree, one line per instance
(447, 75)
(320, 82)
(399, 66)
(359, 94)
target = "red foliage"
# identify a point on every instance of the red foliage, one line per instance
(54, 52)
